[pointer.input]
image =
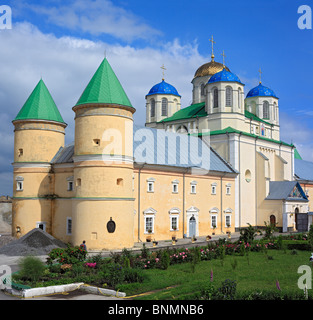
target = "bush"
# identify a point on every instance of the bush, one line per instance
(227, 290)
(70, 255)
(165, 260)
(133, 275)
(31, 268)
(297, 245)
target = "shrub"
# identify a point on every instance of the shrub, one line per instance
(297, 245)
(165, 260)
(248, 234)
(114, 273)
(69, 255)
(31, 268)
(227, 290)
(133, 275)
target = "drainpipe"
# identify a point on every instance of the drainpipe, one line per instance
(256, 184)
(240, 175)
(139, 171)
(184, 195)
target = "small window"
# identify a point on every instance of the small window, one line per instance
(69, 226)
(215, 98)
(213, 188)
(213, 221)
(227, 221)
(248, 175)
(152, 108)
(174, 223)
(19, 186)
(266, 110)
(150, 187)
(229, 96)
(20, 152)
(78, 182)
(175, 188)
(120, 182)
(41, 225)
(228, 189)
(193, 189)
(96, 142)
(70, 186)
(149, 224)
(164, 107)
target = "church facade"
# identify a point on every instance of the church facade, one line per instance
(210, 168)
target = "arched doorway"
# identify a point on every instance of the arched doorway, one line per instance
(192, 227)
(272, 220)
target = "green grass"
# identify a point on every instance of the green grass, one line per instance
(253, 273)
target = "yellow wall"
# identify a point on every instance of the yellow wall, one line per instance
(40, 140)
(163, 200)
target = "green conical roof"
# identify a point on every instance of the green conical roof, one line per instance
(40, 106)
(104, 87)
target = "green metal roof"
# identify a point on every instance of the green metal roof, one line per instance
(193, 111)
(40, 106)
(232, 130)
(104, 87)
(297, 154)
(254, 117)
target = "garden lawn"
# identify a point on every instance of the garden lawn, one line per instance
(256, 272)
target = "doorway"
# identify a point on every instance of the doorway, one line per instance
(192, 227)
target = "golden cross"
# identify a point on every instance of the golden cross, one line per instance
(163, 68)
(223, 55)
(260, 75)
(212, 41)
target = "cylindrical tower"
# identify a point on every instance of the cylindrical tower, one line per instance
(103, 206)
(38, 135)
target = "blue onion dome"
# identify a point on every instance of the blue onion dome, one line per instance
(224, 76)
(261, 91)
(163, 88)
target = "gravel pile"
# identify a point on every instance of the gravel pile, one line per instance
(35, 242)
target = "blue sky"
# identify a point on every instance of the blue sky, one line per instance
(64, 42)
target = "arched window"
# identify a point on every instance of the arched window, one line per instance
(152, 110)
(266, 110)
(202, 89)
(164, 107)
(275, 110)
(229, 96)
(239, 98)
(215, 98)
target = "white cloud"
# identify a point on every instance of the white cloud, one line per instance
(67, 64)
(97, 17)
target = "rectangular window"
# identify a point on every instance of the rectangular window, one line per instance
(213, 191)
(175, 188)
(227, 221)
(19, 186)
(78, 182)
(228, 188)
(150, 186)
(174, 223)
(149, 225)
(41, 225)
(69, 226)
(193, 189)
(20, 152)
(70, 186)
(213, 221)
